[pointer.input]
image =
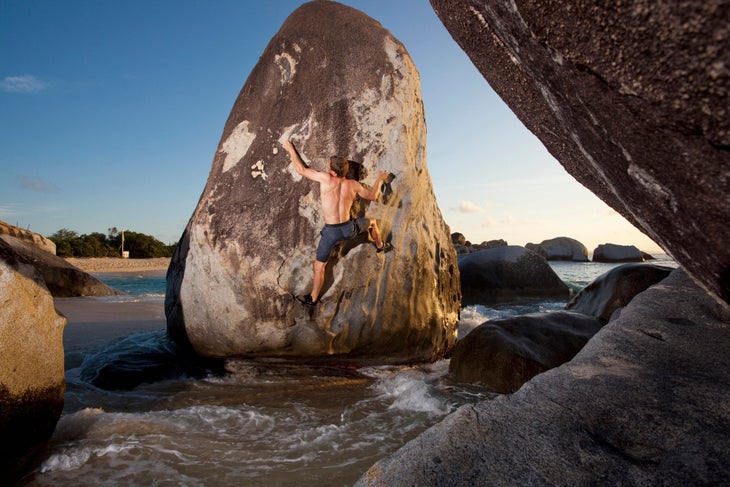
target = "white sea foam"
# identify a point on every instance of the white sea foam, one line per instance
(411, 389)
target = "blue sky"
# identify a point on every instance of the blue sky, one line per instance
(111, 112)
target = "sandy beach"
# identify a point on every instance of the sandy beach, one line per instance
(114, 264)
(95, 322)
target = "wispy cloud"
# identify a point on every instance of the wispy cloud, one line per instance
(7, 211)
(469, 207)
(26, 83)
(37, 184)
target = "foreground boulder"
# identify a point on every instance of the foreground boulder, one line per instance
(250, 244)
(616, 288)
(561, 248)
(61, 278)
(631, 98)
(31, 366)
(644, 403)
(617, 253)
(507, 272)
(505, 353)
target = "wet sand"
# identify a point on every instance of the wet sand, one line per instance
(94, 323)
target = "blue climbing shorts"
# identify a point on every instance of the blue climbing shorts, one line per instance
(334, 234)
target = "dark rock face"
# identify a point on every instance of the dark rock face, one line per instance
(61, 278)
(503, 354)
(31, 366)
(616, 288)
(617, 253)
(644, 403)
(507, 272)
(335, 82)
(561, 248)
(631, 98)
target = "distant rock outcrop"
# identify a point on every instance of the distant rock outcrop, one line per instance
(631, 98)
(61, 278)
(561, 248)
(31, 365)
(335, 82)
(35, 239)
(616, 288)
(507, 272)
(643, 403)
(617, 253)
(463, 246)
(505, 353)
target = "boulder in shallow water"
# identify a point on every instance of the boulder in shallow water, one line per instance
(507, 272)
(617, 253)
(505, 353)
(616, 288)
(643, 403)
(561, 248)
(335, 82)
(31, 365)
(61, 278)
(631, 98)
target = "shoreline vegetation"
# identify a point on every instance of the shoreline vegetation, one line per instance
(117, 264)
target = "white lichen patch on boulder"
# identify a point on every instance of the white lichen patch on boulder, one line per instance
(236, 145)
(288, 66)
(258, 170)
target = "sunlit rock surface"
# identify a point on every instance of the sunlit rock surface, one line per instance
(335, 82)
(631, 98)
(31, 365)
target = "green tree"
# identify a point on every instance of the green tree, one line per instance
(70, 244)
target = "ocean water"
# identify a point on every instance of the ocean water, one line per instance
(252, 423)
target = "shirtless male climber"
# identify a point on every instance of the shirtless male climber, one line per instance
(337, 195)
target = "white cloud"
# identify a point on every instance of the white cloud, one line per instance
(7, 211)
(37, 184)
(26, 83)
(488, 222)
(469, 207)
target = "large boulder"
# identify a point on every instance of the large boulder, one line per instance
(616, 288)
(507, 272)
(617, 253)
(505, 353)
(644, 403)
(561, 248)
(31, 365)
(631, 98)
(62, 279)
(335, 82)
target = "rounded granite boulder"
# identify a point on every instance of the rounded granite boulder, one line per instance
(507, 272)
